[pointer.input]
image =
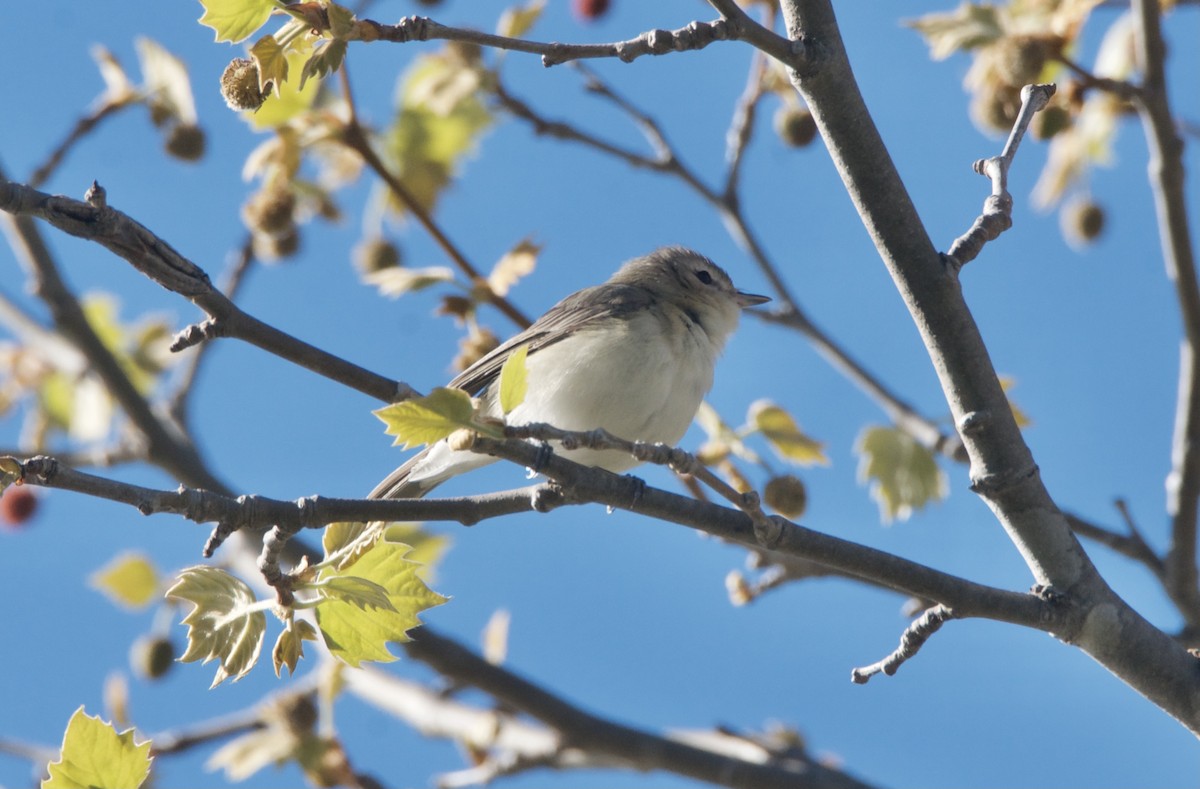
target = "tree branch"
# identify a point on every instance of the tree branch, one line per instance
(693, 36)
(95, 221)
(1166, 173)
(626, 745)
(997, 209)
(1002, 468)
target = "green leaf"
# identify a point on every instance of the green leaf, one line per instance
(904, 475)
(95, 756)
(166, 80)
(439, 122)
(1023, 421)
(223, 623)
(357, 591)
(353, 633)
(341, 20)
(288, 100)
(129, 580)
(289, 647)
(518, 262)
(967, 27)
(235, 20)
(514, 380)
(785, 436)
(324, 59)
(516, 21)
(272, 63)
(424, 420)
(395, 281)
(427, 548)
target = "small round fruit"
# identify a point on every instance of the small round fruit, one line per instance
(239, 85)
(1082, 221)
(186, 142)
(786, 495)
(590, 10)
(152, 656)
(1051, 121)
(376, 254)
(18, 505)
(795, 126)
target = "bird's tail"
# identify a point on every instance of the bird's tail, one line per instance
(397, 485)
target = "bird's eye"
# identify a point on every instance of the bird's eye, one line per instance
(704, 277)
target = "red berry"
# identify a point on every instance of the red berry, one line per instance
(17, 505)
(590, 10)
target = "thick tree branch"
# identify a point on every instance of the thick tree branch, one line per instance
(1002, 467)
(595, 735)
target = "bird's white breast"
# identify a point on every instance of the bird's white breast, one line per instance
(641, 379)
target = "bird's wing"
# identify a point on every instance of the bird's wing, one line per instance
(575, 312)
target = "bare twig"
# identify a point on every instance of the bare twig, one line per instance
(997, 209)
(356, 138)
(83, 126)
(155, 258)
(693, 36)
(911, 642)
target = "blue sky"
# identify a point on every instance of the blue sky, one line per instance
(626, 616)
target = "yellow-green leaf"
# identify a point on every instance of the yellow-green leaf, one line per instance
(514, 380)
(166, 80)
(223, 624)
(95, 756)
(967, 27)
(354, 633)
(395, 281)
(288, 99)
(272, 63)
(426, 548)
(440, 119)
(517, 20)
(1023, 420)
(424, 420)
(785, 436)
(129, 580)
(517, 262)
(324, 59)
(235, 20)
(289, 647)
(904, 475)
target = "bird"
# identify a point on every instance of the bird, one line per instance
(634, 356)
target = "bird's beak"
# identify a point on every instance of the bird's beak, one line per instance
(745, 300)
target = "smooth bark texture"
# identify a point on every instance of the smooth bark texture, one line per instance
(1003, 471)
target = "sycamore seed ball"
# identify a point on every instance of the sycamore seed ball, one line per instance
(186, 142)
(376, 254)
(795, 126)
(1083, 221)
(239, 85)
(786, 495)
(152, 656)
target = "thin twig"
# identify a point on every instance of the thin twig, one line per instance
(355, 137)
(693, 36)
(911, 642)
(997, 209)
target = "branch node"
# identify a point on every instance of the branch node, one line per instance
(96, 196)
(197, 333)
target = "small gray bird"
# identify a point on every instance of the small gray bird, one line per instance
(634, 356)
